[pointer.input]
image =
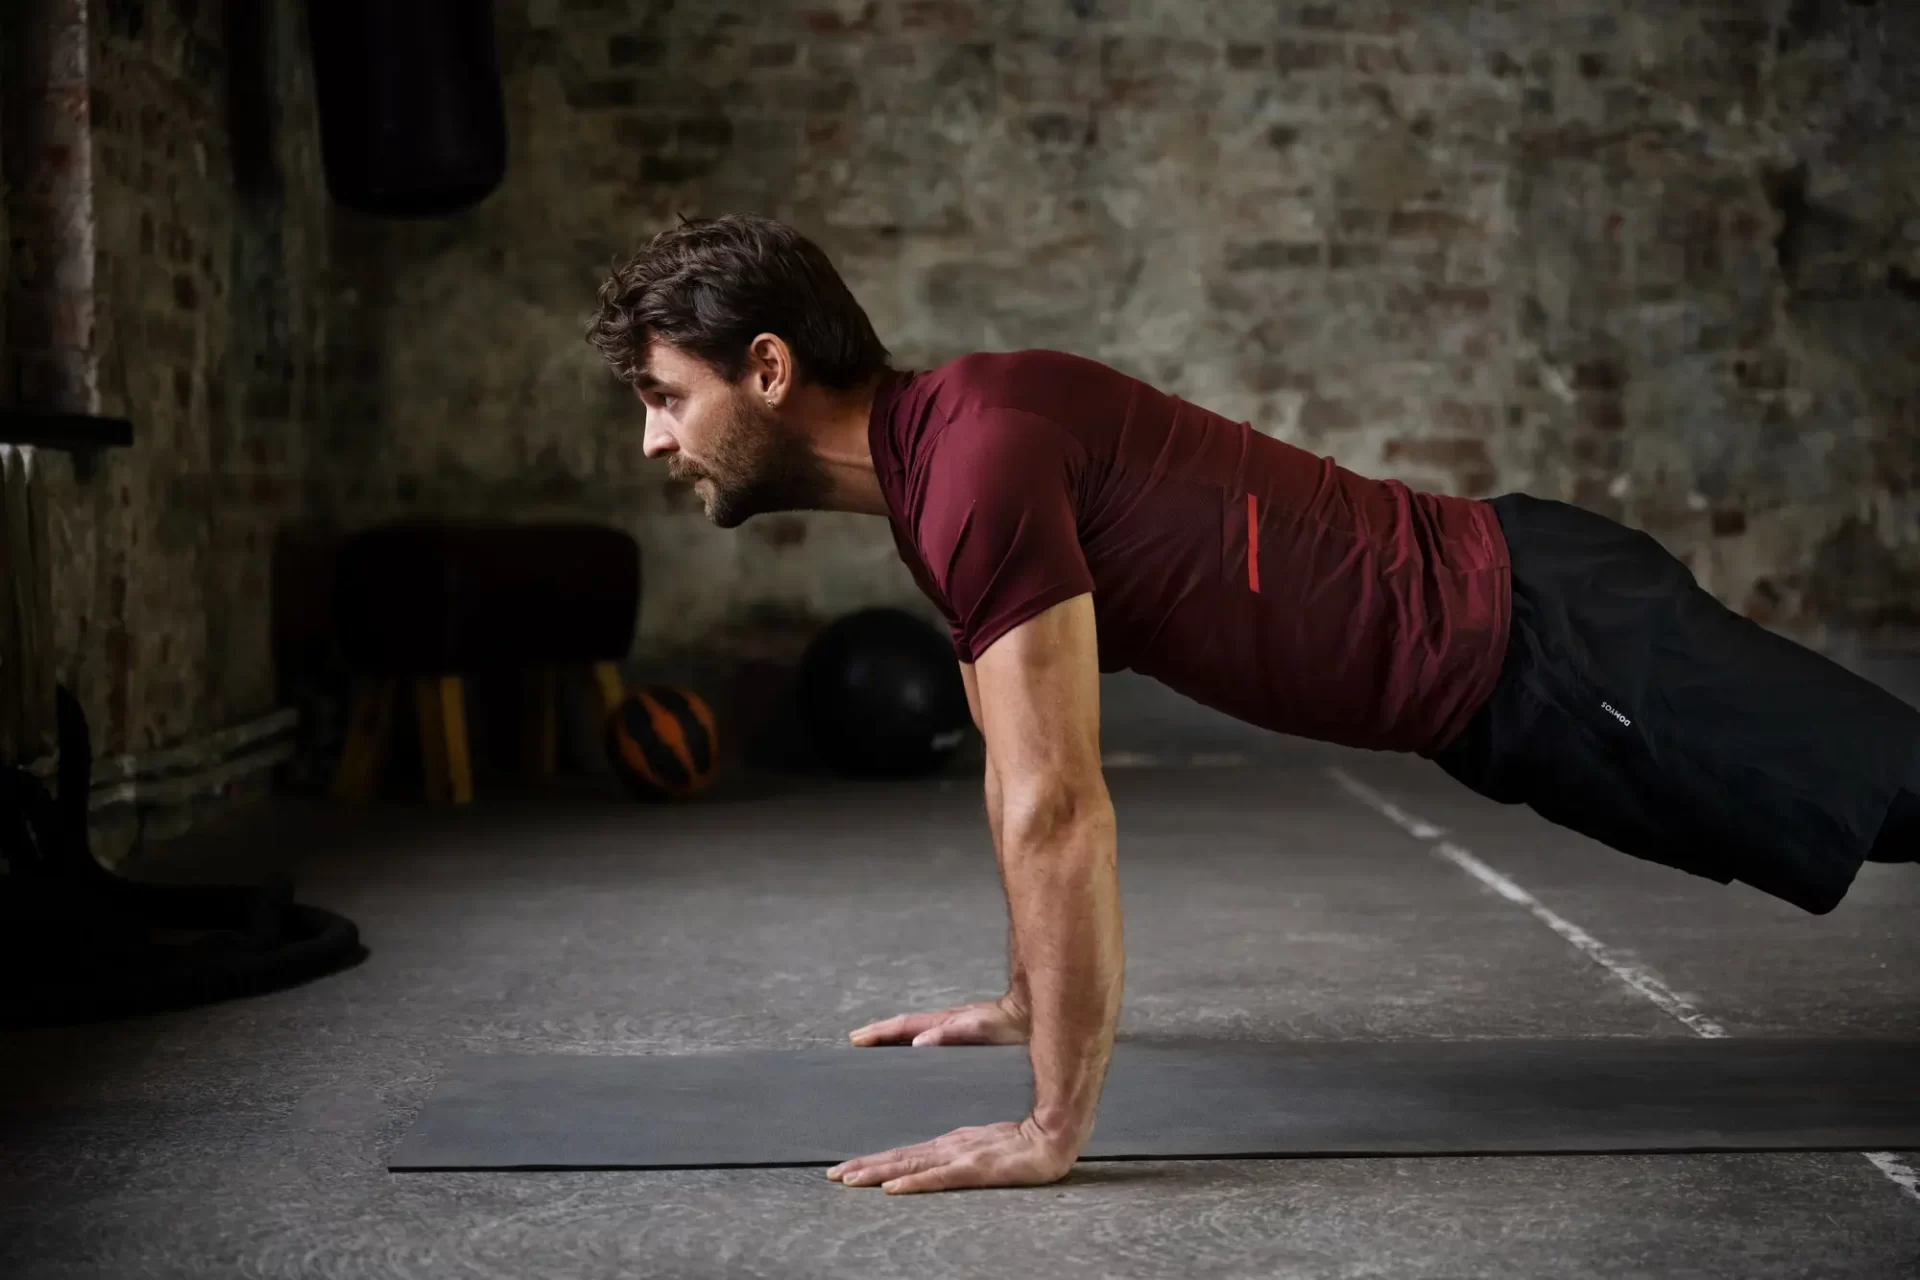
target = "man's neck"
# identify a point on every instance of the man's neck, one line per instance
(839, 428)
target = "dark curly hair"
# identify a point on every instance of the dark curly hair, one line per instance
(710, 286)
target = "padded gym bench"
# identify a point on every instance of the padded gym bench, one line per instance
(423, 604)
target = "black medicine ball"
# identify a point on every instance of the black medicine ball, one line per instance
(880, 695)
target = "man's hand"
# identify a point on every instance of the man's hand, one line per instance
(1039, 699)
(993, 1155)
(999, 1021)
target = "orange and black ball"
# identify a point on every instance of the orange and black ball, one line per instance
(662, 742)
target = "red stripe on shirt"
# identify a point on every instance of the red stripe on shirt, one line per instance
(1253, 543)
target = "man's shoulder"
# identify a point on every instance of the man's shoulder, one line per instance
(1035, 380)
(999, 441)
(1033, 399)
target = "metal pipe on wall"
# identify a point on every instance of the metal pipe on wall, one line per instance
(47, 355)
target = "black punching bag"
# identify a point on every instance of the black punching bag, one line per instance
(412, 121)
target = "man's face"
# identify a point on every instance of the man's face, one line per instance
(726, 439)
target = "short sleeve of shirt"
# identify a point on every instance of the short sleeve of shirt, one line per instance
(998, 531)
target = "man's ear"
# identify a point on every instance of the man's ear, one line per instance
(770, 362)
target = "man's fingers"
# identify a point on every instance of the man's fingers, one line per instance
(951, 1174)
(983, 1022)
(868, 1162)
(961, 1028)
(873, 1175)
(847, 1167)
(1002, 1155)
(872, 1172)
(904, 1027)
(902, 1160)
(874, 1032)
(948, 1177)
(967, 1029)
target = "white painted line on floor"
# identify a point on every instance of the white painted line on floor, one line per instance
(1418, 828)
(1634, 975)
(1895, 1168)
(1637, 976)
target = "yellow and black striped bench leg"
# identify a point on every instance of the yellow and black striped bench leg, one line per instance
(357, 775)
(442, 707)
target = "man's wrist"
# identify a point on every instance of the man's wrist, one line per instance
(1064, 1128)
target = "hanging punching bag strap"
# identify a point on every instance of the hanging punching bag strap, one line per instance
(412, 118)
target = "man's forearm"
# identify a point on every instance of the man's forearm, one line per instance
(1016, 972)
(1064, 896)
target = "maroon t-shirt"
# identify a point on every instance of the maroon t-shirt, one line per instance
(1246, 573)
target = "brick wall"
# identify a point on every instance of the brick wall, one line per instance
(1712, 216)
(205, 244)
(1477, 245)
(1661, 261)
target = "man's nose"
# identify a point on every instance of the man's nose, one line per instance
(657, 441)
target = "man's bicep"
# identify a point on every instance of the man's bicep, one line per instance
(1000, 530)
(1039, 701)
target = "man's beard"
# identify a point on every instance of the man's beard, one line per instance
(757, 466)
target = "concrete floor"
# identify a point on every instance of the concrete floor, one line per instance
(1268, 896)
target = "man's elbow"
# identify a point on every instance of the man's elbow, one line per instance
(1054, 811)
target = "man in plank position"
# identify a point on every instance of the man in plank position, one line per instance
(1068, 519)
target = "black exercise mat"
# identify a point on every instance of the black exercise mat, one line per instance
(1185, 1100)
